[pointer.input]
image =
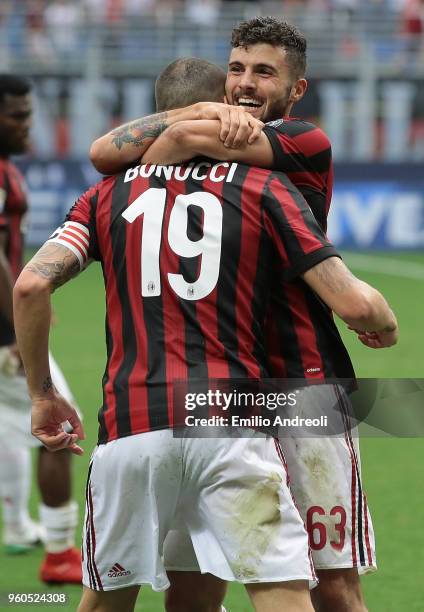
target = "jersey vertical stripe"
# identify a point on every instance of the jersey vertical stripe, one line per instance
(284, 192)
(309, 353)
(285, 352)
(154, 331)
(174, 322)
(207, 314)
(247, 299)
(137, 394)
(334, 355)
(196, 335)
(114, 317)
(274, 346)
(120, 254)
(227, 294)
(93, 221)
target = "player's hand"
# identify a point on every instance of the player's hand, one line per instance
(211, 110)
(243, 128)
(378, 340)
(238, 127)
(49, 413)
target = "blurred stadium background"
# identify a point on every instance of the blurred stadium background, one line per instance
(93, 65)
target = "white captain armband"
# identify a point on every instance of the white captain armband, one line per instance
(75, 237)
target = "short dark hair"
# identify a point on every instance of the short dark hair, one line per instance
(274, 32)
(14, 85)
(187, 81)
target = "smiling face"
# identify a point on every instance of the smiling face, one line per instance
(15, 124)
(260, 79)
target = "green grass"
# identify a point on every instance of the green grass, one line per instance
(393, 468)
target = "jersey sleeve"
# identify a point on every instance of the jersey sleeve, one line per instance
(303, 151)
(299, 239)
(78, 232)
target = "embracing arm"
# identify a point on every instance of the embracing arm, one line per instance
(122, 146)
(187, 139)
(361, 306)
(51, 267)
(127, 143)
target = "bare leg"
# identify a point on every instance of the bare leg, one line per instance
(194, 592)
(292, 596)
(338, 589)
(108, 601)
(54, 477)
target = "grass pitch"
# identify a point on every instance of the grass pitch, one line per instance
(392, 468)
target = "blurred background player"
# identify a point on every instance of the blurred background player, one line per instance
(58, 512)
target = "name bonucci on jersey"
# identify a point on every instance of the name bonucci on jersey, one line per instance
(221, 171)
(75, 236)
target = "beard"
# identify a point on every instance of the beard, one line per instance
(278, 108)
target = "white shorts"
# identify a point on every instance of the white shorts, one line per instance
(325, 477)
(15, 407)
(229, 494)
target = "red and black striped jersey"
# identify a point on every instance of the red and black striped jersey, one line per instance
(13, 208)
(302, 339)
(187, 254)
(303, 152)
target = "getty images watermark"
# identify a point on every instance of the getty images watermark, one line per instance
(245, 403)
(235, 407)
(299, 407)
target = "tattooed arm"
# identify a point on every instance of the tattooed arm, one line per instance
(51, 267)
(187, 139)
(54, 263)
(126, 144)
(361, 306)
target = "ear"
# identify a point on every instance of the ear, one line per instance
(298, 90)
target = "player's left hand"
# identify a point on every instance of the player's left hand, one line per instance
(49, 413)
(238, 127)
(242, 129)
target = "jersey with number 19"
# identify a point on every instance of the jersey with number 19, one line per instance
(186, 253)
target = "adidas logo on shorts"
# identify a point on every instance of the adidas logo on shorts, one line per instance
(116, 571)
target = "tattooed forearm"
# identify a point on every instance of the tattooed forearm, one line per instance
(334, 274)
(136, 132)
(54, 263)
